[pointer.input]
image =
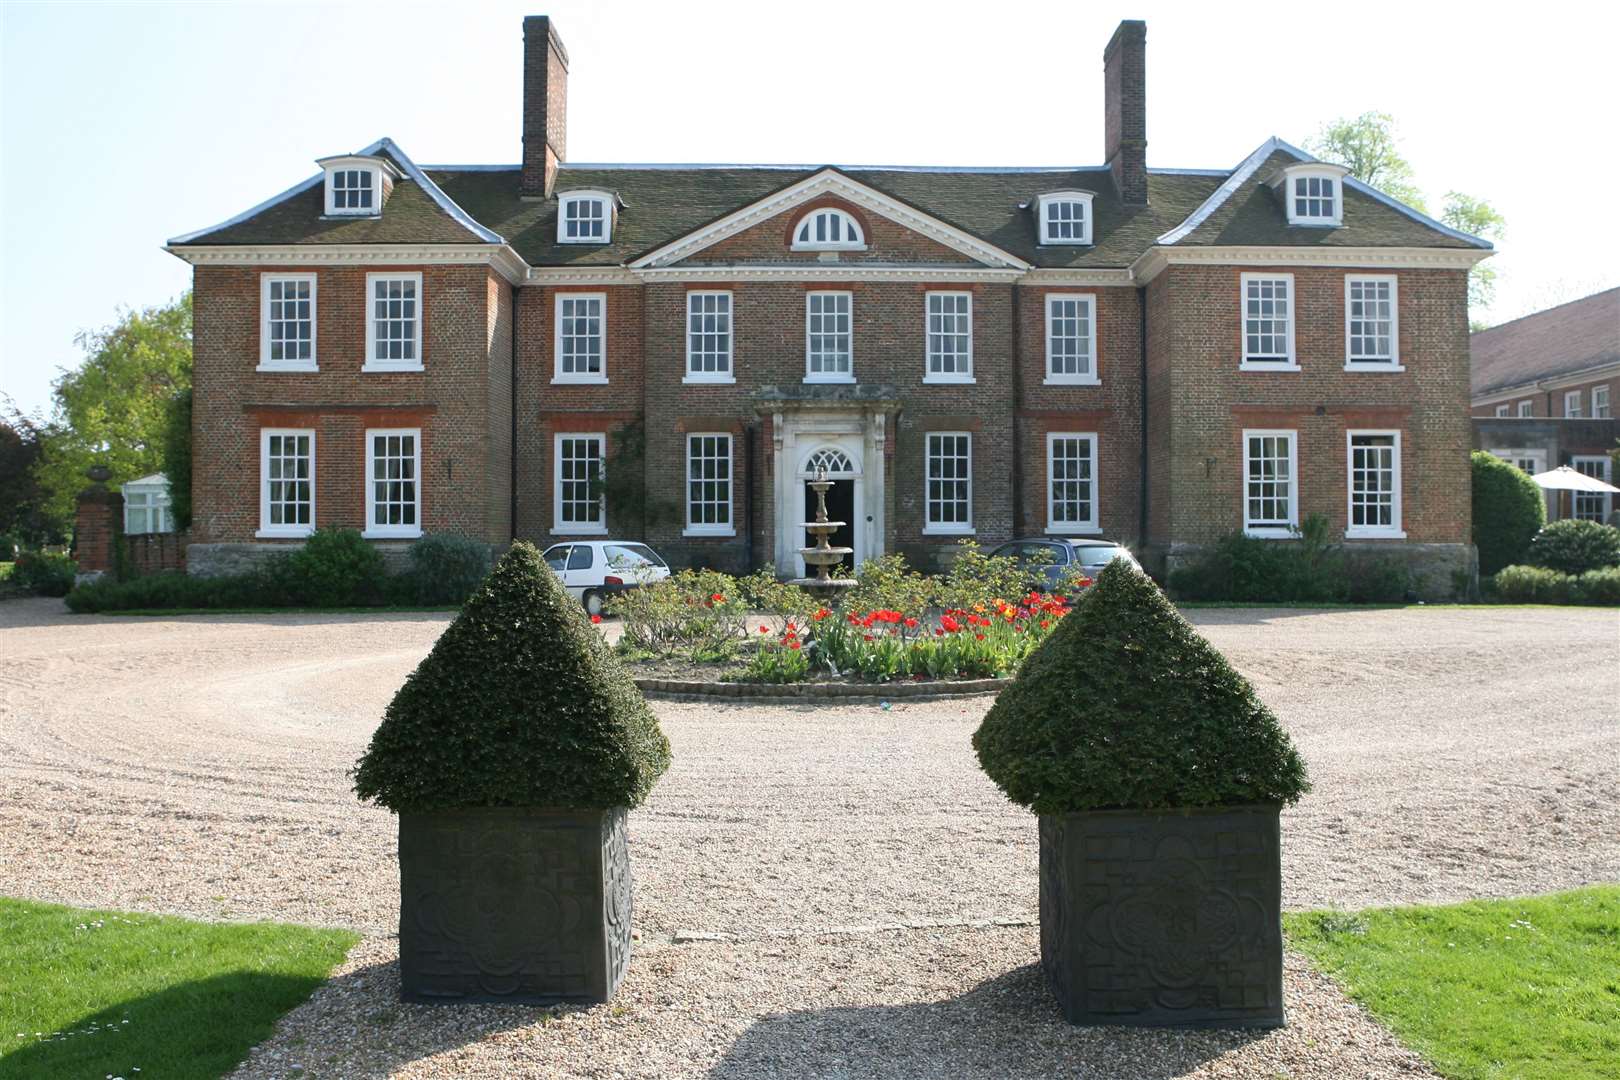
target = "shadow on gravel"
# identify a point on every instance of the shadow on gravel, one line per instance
(1007, 1028)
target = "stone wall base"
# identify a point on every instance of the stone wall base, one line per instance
(223, 560)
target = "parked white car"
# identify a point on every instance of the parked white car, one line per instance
(592, 570)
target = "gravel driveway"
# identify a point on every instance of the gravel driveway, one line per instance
(873, 889)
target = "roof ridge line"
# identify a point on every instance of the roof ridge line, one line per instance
(1218, 197)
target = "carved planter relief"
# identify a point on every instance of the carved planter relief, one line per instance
(1164, 918)
(513, 905)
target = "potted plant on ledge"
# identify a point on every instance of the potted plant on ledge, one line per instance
(511, 755)
(1158, 776)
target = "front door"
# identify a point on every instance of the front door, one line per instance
(840, 507)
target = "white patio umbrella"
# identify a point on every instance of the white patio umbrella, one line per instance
(1565, 478)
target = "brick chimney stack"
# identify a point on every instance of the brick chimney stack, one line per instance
(1125, 110)
(545, 105)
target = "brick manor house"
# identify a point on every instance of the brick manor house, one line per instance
(1161, 356)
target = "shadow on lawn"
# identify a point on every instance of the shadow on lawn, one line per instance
(195, 1030)
(1007, 1027)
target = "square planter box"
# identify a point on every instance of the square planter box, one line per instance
(1164, 918)
(513, 905)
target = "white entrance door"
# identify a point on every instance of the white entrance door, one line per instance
(841, 465)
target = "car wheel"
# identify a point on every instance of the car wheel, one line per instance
(593, 603)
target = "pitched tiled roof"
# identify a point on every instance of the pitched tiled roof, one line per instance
(1571, 337)
(663, 203)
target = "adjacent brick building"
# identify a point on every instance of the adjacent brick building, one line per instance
(1545, 389)
(669, 352)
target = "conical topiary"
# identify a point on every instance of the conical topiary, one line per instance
(1125, 706)
(520, 703)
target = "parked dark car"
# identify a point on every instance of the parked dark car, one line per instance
(1051, 559)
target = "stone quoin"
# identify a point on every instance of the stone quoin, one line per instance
(1155, 355)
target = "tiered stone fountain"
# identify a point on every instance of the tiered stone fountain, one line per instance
(822, 557)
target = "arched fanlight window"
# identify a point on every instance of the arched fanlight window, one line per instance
(828, 230)
(834, 461)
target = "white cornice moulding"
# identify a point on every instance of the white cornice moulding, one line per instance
(500, 257)
(583, 275)
(832, 272)
(1154, 260)
(1078, 278)
(830, 182)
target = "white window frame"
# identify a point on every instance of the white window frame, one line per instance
(1089, 377)
(1043, 206)
(1527, 408)
(948, 528)
(153, 506)
(1605, 499)
(1272, 530)
(822, 376)
(961, 376)
(1314, 171)
(372, 530)
(1392, 362)
(568, 198)
(1396, 529)
(267, 364)
(372, 364)
(706, 528)
(1607, 411)
(558, 528)
(1290, 362)
(353, 165)
(728, 374)
(1081, 528)
(268, 531)
(1502, 410)
(600, 377)
(1572, 404)
(848, 225)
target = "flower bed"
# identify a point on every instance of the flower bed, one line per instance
(896, 625)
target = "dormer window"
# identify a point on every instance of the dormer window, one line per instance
(357, 186)
(1313, 193)
(1065, 217)
(585, 217)
(829, 230)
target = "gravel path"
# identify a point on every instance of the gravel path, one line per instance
(197, 765)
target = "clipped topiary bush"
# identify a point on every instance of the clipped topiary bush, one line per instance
(1509, 509)
(1574, 547)
(520, 704)
(1126, 706)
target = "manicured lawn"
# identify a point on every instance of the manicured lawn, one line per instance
(106, 993)
(1525, 989)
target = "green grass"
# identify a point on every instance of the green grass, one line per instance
(1525, 989)
(103, 993)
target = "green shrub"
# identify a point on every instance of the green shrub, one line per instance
(702, 612)
(1126, 706)
(1378, 580)
(1541, 585)
(43, 573)
(1309, 569)
(977, 578)
(1574, 547)
(520, 703)
(888, 583)
(172, 589)
(445, 569)
(8, 548)
(334, 568)
(177, 457)
(1509, 509)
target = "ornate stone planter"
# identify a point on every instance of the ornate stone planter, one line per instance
(513, 905)
(1164, 918)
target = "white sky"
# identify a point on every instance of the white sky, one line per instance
(122, 125)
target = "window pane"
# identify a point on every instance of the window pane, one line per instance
(579, 466)
(1069, 336)
(708, 481)
(1069, 471)
(948, 482)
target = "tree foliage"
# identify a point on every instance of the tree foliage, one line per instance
(114, 408)
(22, 443)
(1368, 147)
(520, 703)
(177, 458)
(1125, 706)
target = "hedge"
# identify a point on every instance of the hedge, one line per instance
(1125, 706)
(520, 703)
(1539, 585)
(1509, 508)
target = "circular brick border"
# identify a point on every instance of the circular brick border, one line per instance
(817, 692)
